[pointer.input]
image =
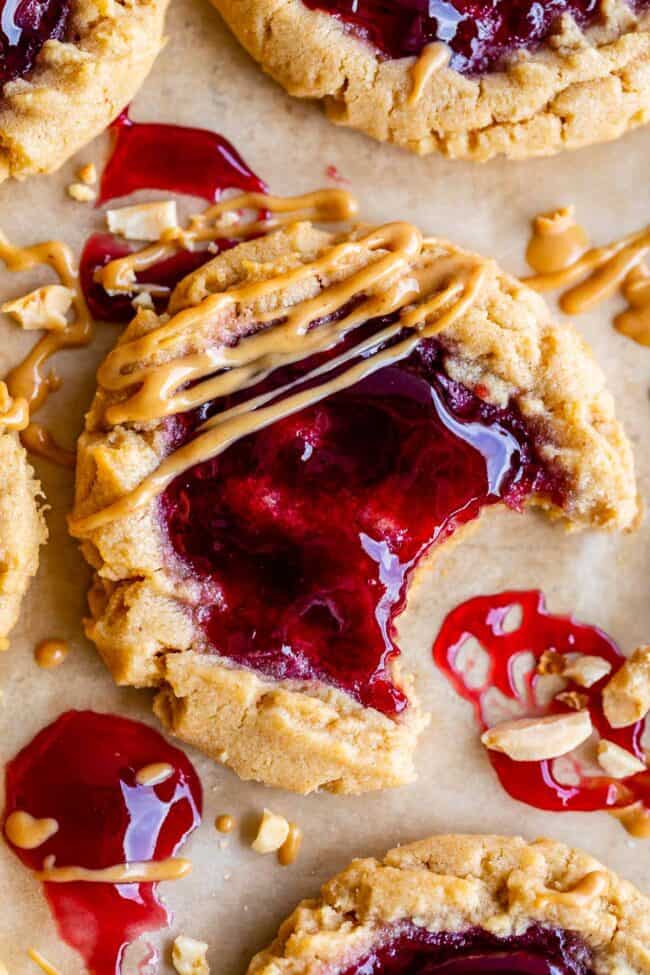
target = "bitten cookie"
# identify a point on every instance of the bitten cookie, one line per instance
(263, 471)
(469, 80)
(67, 72)
(459, 904)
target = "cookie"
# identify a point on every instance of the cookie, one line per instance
(466, 904)
(67, 72)
(468, 80)
(262, 472)
(22, 526)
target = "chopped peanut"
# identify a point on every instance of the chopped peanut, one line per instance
(189, 956)
(573, 699)
(271, 834)
(551, 662)
(536, 739)
(586, 670)
(81, 193)
(46, 307)
(144, 221)
(626, 697)
(617, 761)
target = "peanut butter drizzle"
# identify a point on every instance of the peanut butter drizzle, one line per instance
(288, 852)
(433, 57)
(635, 819)
(147, 871)
(42, 962)
(28, 381)
(39, 441)
(51, 653)
(225, 823)
(426, 296)
(592, 885)
(557, 251)
(14, 413)
(27, 833)
(234, 218)
(154, 774)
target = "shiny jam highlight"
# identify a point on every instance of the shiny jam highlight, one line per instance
(81, 771)
(479, 33)
(176, 158)
(25, 25)
(541, 784)
(415, 951)
(304, 534)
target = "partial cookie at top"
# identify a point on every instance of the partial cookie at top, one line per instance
(22, 526)
(88, 65)
(497, 355)
(447, 898)
(578, 88)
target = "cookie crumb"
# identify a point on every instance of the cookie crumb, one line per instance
(551, 662)
(87, 174)
(272, 833)
(189, 956)
(626, 697)
(573, 699)
(143, 221)
(81, 193)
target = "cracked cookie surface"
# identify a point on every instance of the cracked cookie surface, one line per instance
(579, 88)
(301, 729)
(80, 80)
(455, 897)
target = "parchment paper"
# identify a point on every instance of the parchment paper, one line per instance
(203, 78)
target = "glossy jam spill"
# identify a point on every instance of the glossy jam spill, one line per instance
(479, 33)
(195, 162)
(81, 771)
(176, 158)
(305, 533)
(539, 783)
(25, 25)
(538, 951)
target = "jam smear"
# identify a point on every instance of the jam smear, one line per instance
(148, 155)
(304, 534)
(479, 33)
(25, 25)
(416, 951)
(539, 784)
(153, 156)
(81, 771)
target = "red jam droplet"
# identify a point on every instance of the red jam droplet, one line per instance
(165, 157)
(177, 158)
(25, 25)
(304, 534)
(538, 784)
(81, 771)
(480, 33)
(416, 951)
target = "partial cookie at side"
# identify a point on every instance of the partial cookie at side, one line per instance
(79, 85)
(579, 89)
(500, 885)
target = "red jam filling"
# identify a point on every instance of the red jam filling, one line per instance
(81, 771)
(539, 784)
(176, 158)
(479, 33)
(304, 534)
(25, 25)
(539, 951)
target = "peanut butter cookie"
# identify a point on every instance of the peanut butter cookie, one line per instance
(264, 468)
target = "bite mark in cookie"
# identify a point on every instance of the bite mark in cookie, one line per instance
(262, 472)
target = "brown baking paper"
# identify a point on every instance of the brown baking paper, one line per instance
(234, 898)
